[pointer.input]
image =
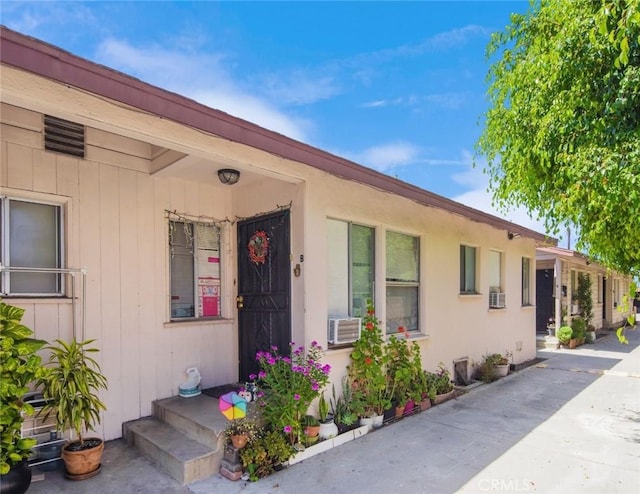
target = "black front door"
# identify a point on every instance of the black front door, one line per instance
(264, 288)
(545, 302)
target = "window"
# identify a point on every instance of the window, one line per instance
(467, 269)
(351, 268)
(495, 272)
(574, 286)
(403, 280)
(195, 269)
(31, 235)
(600, 288)
(526, 281)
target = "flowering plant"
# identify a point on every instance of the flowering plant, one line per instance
(367, 372)
(290, 385)
(244, 426)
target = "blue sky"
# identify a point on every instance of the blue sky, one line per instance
(396, 86)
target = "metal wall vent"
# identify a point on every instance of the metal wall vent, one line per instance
(63, 136)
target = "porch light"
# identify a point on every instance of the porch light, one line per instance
(228, 176)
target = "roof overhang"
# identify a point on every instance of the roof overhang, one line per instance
(45, 60)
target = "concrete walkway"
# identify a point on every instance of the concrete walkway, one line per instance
(569, 424)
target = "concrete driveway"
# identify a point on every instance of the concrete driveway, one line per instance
(569, 424)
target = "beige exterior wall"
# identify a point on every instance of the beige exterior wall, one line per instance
(116, 228)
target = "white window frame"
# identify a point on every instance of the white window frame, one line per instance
(394, 283)
(5, 248)
(203, 279)
(499, 287)
(351, 310)
(526, 282)
(464, 289)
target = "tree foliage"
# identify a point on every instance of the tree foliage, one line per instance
(562, 134)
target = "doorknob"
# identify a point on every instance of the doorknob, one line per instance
(239, 301)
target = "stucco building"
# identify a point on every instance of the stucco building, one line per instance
(113, 186)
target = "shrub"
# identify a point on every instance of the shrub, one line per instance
(564, 334)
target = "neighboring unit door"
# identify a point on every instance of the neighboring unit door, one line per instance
(545, 302)
(264, 288)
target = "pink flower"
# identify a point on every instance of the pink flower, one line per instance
(296, 397)
(261, 375)
(315, 386)
(287, 429)
(252, 377)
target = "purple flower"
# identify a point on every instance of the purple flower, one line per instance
(296, 397)
(271, 360)
(252, 377)
(287, 429)
(315, 386)
(274, 348)
(314, 343)
(260, 394)
(326, 368)
(262, 374)
(286, 359)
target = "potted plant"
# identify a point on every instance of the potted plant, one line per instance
(328, 428)
(493, 366)
(564, 335)
(342, 408)
(70, 389)
(442, 384)
(367, 371)
(241, 431)
(267, 452)
(20, 366)
(291, 383)
(399, 371)
(578, 332)
(311, 429)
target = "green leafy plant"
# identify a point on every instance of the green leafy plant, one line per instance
(244, 426)
(20, 366)
(486, 368)
(341, 407)
(584, 297)
(71, 387)
(261, 455)
(367, 371)
(624, 306)
(323, 409)
(399, 369)
(290, 385)
(578, 328)
(442, 380)
(564, 334)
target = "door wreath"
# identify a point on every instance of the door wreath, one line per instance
(258, 247)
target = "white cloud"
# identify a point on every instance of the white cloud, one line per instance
(298, 87)
(202, 77)
(385, 157)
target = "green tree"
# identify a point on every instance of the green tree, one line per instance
(562, 133)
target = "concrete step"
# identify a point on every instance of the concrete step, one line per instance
(197, 417)
(185, 459)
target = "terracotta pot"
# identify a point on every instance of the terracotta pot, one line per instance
(239, 440)
(444, 397)
(311, 430)
(399, 411)
(84, 461)
(425, 404)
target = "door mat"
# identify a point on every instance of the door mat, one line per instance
(218, 391)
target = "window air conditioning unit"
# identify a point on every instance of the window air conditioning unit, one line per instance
(344, 330)
(497, 300)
